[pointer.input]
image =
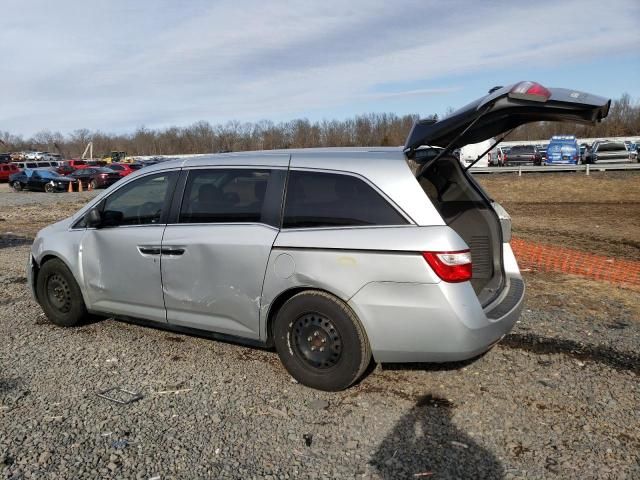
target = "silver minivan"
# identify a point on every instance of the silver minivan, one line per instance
(336, 257)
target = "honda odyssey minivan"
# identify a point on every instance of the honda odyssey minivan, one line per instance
(337, 257)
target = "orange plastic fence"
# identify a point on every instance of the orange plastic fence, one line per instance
(552, 258)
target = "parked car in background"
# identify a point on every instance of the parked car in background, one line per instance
(36, 164)
(469, 153)
(562, 150)
(39, 180)
(606, 151)
(124, 169)
(33, 155)
(584, 149)
(65, 169)
(496, 156)
(542, 150)
(100, 177)
(6, 170)
(5, 157)
(76, 163)
(522, 155)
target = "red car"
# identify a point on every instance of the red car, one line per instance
(65, 169)
(76, 163)
(7, 169)
(123, 169)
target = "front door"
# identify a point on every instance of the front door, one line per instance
(215, 255)
(121, 258)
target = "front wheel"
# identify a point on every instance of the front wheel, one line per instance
(59, 294)
(94, 185)
(17, 186)
(49, 188)
(321, 342)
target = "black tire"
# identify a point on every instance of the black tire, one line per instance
(17, 186)
(49, 188)
(94, 185)
(320, 341)
(59, 295)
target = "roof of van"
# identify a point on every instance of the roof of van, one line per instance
(269, 156)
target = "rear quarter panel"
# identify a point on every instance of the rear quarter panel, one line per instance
(342, 261)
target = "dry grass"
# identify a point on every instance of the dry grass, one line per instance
(581, 296)
(599, 213)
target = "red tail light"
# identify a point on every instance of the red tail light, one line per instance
(451, 267)
(530, 91)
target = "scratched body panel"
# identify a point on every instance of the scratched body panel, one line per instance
(216, 284)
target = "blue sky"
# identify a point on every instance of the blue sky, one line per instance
(115, 65)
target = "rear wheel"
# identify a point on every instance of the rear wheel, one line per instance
(17, 186)
(320, 341)
(49, 188)
(59, 294)
(94, 185)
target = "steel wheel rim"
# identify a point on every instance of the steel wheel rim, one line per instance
(316, 340)
(59, 293)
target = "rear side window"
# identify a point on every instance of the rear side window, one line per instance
(318, 199)
(227, 195)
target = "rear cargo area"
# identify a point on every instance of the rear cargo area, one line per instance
(468, 211)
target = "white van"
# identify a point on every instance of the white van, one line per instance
(469, 153)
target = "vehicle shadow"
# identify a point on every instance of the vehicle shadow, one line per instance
(432, 366)
(426, 444)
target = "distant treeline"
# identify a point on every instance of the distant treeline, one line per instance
(374, 129)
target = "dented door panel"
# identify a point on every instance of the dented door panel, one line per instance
(215, 284)
(121, 271)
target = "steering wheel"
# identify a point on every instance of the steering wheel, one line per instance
(148, 212)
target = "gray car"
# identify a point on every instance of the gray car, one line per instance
(336, 257)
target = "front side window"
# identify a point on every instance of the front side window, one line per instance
(318, 199)
(225, 195)
(141, 202)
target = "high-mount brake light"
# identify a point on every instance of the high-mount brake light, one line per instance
(451, 267)
(530, 91)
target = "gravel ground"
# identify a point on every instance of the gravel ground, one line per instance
(10, 198)
(557, 399)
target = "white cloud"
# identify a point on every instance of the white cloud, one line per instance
(109, 65)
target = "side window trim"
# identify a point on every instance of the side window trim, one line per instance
(409, 221)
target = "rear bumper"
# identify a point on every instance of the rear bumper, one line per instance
(442, 322)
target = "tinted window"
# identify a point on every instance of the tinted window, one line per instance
(611, 146)
(522, 149)
(116, 167)
(224, 195)
(139, 202)
(317, 199)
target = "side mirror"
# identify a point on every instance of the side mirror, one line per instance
(93, 218)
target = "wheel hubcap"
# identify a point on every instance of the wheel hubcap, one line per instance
(59, 293)
(316, 340)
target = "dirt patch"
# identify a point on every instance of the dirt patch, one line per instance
(599, 214)
(584, 297)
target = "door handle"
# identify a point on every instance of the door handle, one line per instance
(175, 251)
(149, 249)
